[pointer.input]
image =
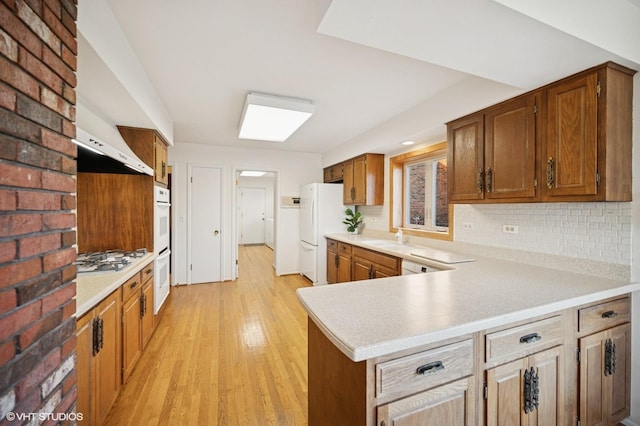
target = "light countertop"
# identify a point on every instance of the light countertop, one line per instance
(371, 318)
(92, 288)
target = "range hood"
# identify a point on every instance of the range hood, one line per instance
(97, 156)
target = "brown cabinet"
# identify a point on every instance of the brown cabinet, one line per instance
(98, 362)
(369, 264)
(334, 173)
(150, 147)
(137, 318)
(604, 363)
(338, 262)
(587, 146)
(364, 180)
(567, 141)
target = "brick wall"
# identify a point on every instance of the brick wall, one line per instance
(38, 52)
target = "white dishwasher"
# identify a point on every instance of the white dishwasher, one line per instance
(409, 267)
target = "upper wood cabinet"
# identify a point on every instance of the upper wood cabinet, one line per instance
(150, 147)
(334, 173)
(587, 147)
(364, 180)
(567, 141)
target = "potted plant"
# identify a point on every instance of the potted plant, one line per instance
(353, 220)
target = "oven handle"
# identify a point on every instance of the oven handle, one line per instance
(164, 254)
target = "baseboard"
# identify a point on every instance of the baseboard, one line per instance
(629, 422)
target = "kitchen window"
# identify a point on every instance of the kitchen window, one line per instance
(419, 203)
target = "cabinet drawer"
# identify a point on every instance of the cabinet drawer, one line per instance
(344, 249)
(131, 286)
(147, 273)
(603, 315)
(332, 245)
(381, 259)
(424, 370)
(523, 340)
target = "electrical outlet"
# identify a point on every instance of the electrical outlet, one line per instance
(467, 225)
(510, 229)
(373, 218)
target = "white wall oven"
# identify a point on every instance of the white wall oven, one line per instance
(161, 231)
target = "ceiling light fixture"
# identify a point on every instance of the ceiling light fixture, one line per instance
(408, 143)
(252, 173)
(273, 118)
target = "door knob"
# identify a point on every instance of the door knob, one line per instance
(216, 232)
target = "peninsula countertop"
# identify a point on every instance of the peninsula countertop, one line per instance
(92, 288)
(371, 318)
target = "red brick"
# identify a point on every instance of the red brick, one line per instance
(69, 310)
(55, 62)
(55, 102)
(59, 259)
(18, 319)
(38, 329)
(8, 46)
(38, 156)
(40, 71)
(38, 374)
(19, 31)
(8, 250)
(69, 166)
(69, 382)
(8, 201)
(17, 272)
(69, 93)
(53, 221)
(55, 7)
(15, 77)
(7, 351)
(69, 58)
(58, 182)
(20, 224)
(38, 26)
(68, 238)
(69, 393)
(39, 244)
(69, 347)
(7, 97)
(10, 3)
(35, 111)
(8, 145)
(59, 297)
(24, 177)
(38, 200)
(69, 273)
(35, 5)
(59, 143)
(68, 128)
(55, 24)
(8, 301)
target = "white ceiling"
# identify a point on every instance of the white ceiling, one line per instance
(379, 71)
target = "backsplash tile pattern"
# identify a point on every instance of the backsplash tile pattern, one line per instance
(595, 231)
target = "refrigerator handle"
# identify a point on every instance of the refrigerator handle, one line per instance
(314, 228)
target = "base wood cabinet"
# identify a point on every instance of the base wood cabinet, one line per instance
(338, 262)
(525, 373)
(98, 360)
(567, 141)
(351, 263)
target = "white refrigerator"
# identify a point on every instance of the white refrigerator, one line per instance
(321, 212)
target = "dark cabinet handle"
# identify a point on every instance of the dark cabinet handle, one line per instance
(480, 181)
(94, 336)
(100, 334)
(531, 390)
(609, 314)
(530, 338)
(431, 368)
(337, 260)
(150, 270)
(133, 284)
(609, 357)
(141, 301)
(488, 180)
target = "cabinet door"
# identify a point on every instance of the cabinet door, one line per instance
(510, 149)
(84, 367)
(147, 323)
(605, 387)
(506, 387)
(160, 157)
(360, 180)
(450, 404)
(348, 188)
(383, 272)
(465, 159)
(332, 266)
(571, 156)
(131, 338)
(360, 269)
(344, 268)
(108, 359)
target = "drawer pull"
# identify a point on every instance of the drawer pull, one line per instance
(431, 368)
(149, 271)
(133, 284)
(609, 314)
(530, 338)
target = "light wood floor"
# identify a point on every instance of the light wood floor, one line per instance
(231, 353)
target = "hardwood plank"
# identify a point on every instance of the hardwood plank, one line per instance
(225, 353)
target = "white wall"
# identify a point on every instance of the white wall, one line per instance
(293, 169)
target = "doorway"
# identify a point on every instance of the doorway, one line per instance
(255, 212)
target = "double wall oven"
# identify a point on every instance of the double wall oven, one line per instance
(161, 230)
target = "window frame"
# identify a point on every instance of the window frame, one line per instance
(397, 189)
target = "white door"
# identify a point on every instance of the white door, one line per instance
(252, 215)
(205, 225)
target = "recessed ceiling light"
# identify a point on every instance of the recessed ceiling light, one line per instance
(252, 173)
(273, 118)
(408, 143)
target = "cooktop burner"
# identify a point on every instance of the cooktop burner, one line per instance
(107, 261)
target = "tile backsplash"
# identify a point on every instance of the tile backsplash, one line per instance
(594, 231)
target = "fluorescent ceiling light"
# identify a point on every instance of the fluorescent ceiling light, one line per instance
(252, 173)
(85, 146)
(273, 118)
(408, 143)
